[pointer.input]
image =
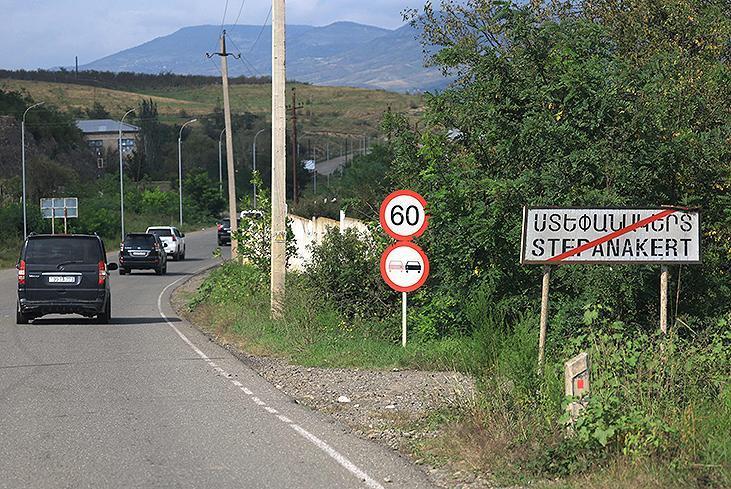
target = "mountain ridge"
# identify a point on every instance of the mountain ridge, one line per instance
(342, 53)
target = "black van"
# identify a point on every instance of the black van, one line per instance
(63, 274)
(142, 251)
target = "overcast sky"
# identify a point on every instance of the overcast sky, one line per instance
(49, 33)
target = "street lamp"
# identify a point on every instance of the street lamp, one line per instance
(253, 150)
(220, 165)
(22, 138)
(121, 171)
(180, 168)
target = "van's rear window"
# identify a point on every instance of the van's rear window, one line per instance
(161, 232)
(56, 250)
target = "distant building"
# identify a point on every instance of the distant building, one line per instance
(102, 135)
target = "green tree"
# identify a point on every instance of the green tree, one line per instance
(147, 159)
(203, 193)
(551, 111)
(97, 111)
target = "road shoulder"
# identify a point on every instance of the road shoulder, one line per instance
(396, 408)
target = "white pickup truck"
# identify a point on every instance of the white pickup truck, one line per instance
(172, 239)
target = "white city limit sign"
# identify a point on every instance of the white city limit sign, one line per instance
(665, 236)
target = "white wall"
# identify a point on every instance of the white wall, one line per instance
(309, 232)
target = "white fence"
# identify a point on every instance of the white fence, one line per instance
(309, 232)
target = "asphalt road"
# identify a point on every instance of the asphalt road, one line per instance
(148, 402)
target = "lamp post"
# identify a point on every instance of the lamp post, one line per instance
(220, 164)
(253, 151)
(121, 171)
(180, 168)
(22, 138)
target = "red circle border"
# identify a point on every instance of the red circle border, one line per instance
(382, 215)
(424, 275)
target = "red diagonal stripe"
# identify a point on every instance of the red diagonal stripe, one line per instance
(613, 235)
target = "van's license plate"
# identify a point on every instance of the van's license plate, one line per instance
(61, 280)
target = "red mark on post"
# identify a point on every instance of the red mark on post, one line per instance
(616, 234)
(580, 384)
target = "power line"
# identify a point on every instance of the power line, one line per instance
(243, 2)
(261, 31)
(247, 64)
(223, 20)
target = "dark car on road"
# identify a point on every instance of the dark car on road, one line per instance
(142, 251)
(63, 274)
(224, 231)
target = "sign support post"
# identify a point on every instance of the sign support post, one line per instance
(544, 315)
(53, 224)
(65, 219)
(403, 320)
(664, 273)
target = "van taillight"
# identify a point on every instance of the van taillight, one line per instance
(121, 246)
(174, 239)
(21, 273)
(102, 272)
(220, 226)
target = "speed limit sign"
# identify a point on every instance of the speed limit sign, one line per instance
(403, 215)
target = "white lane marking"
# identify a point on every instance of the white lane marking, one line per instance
(350, 466)
(344, 462)
(271, 410)
(182, 336)
(236, 383)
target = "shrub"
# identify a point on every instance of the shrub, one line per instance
(345, 271)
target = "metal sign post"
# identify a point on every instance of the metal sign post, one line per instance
(403, 319)
(404, 265)
(554, 237)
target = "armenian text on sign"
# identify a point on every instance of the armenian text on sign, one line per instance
(665, 236)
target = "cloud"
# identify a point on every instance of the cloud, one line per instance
(49, 33)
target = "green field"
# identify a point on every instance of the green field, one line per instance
(324, 109)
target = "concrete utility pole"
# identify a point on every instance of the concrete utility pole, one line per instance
(295, 145)
(253, 160)
(233, 214)
(22, 142)
(121, 172)
(279, 161)
(180, 168)
(220, 164)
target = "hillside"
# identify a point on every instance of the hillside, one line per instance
(331, 109)
(339, 54)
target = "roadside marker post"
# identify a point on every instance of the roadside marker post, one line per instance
(404, 265)
(552, 237)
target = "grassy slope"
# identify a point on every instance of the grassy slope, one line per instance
(332, 109)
